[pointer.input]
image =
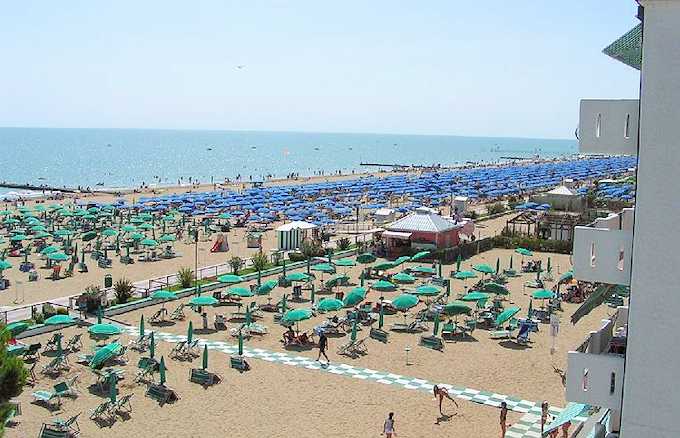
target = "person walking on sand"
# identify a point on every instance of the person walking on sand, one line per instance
(544, 414)
(388, 426)
(441, 392)
(504, 418)
(323, 345)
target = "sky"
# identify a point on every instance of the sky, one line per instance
(493, 68)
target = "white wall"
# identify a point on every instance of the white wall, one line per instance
(595, 379)
(610, 137)
(651, 397)
(597, 255)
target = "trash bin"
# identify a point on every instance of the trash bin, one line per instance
(108, 281)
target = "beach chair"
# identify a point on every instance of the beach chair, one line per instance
(74, 343)
(220, 322)
(51, 431)
(449, 330)
(157, 317)
(523, 334)
(412, 327)
(52, 342)
(32, 378)
(14, 410)
(202, 377)
(71, 425)
(55, 366)
(432, 342)
(353, 349)
(500, 334)
(123, 404)
(178, 313)
(178, 350)
(161, 393)
(101, 411)
(147, 366)
(141, 343)
(32, 352)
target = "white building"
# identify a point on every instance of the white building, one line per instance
(638, 390)
(291, 235)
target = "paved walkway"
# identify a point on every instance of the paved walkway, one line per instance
(527, 427)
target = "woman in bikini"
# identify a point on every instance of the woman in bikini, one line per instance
(441, 392)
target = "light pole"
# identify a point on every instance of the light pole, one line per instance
(196, 260)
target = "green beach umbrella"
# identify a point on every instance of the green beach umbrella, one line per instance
(498, 265)
(384, 266)
(109, 232)
(324, 267)
(137, 236)
(163, 295)
(145, 226)
(63, 232)
(230, 279)
(401, 260)
(405, 301)
(161, 370)
(456, 308)
(354, 297)
(366, 258)
(4, 264)
(424, 270)
(353, 334)
(167, 238)
(549, 267)
(104, 330)
(496, 288)
(224, 216)
(345, 262)
(419, 255)
(36, 228)
(475, 296)
(190, 332)
(148, 242)
(57, 256)
(203, 301)
(15, 328)
(18, 237)
(105, 353)
(523, 251)
(141, 325)
(567, 276)
(459, 259)
(240, 291)
(403, 277)
(543, 294)
(41, 235)
(464, 275)
(129, 228)
(59, 319)
(152, 345)
(483, 268)
(90, 235)
(204, 365)
(296, 315)
(297, 276)
(267, 287)
(427, 290)
(330, 304)
(506, 315)
(383, 286)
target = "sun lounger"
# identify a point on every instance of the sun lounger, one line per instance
(161, 393)
(123, 404)
(433, 342)
(147, 366)
(32, 352)
(202, 377)
(178, 349)
(413, 327)
(353, 349)
(47, 397)
(101, 411)
(178, 313)
(379, 335)
(159, 316)
(71, 425)
(220, 322)
(51, 431)
(239, 363)
(57, 365)
(500, 334)
(52, 342)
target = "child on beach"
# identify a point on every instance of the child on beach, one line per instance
(388, 426)
(504, 418)
(441, 392)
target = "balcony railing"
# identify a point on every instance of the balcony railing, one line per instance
(608, 126)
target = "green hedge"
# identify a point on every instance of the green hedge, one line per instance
(533, 244)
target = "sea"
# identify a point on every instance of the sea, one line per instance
(127, 158)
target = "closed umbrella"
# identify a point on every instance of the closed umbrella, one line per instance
(113, 389)
(405, 301)
(435, 328)
(141, 325)
(498, 265)
(205, 357)
(161, 370)
(459, 259)
(240, 343)
(103, 354)
(353, 334)
(152, 345)
(267, 287)
(190, 332)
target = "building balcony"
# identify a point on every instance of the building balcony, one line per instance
(603, 251)
(595, 372)
(609, 126)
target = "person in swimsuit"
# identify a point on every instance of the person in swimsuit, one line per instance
(388, 426)
(544, 414)
(504, 418)
(323, 344)
(441, 392)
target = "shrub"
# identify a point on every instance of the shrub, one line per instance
(495, 208)
(186, 277)
(92, 298)
(236, 264)
(296, 256)
(48, 310)
(62, 311)
(472, 214)
(39, 318)
(533, 244)
(123, 290)
(260, 261)
(344, 244)
(312, 248)
(13, 376)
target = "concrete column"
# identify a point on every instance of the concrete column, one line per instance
(651, 398)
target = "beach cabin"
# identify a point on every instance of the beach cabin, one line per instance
(562, 198)
(384, 216)
(420, 230)
(291, 235)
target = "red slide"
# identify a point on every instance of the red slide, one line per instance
(215, 247)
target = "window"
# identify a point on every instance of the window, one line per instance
(612, 383)
(592, 254)
(584, 382)
(619, 265)
(626, 128)
(598, 125)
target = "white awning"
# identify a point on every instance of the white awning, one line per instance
(397, 235)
